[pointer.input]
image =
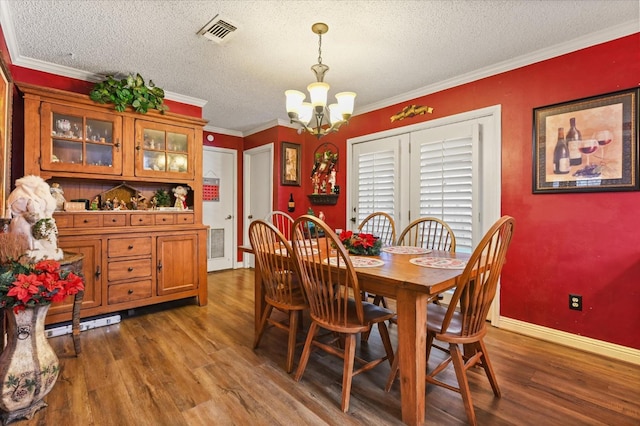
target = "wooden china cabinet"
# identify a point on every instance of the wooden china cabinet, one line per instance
(132, 258)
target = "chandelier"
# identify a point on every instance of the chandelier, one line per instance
(316, 117)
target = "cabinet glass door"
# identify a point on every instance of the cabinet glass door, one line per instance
(75, 140)
(163, 150)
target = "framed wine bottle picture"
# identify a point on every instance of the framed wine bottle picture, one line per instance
(587, 145)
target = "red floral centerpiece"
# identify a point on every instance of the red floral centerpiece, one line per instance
(361, 244)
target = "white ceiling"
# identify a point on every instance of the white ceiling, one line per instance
(385, 51)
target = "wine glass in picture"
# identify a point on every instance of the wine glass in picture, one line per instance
(588, 147)
(604, 138)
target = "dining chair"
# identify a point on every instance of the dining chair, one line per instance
(282, 221)
(383, 226)
(464, 320)
(280, 281)
(429, 233)
(330, 283)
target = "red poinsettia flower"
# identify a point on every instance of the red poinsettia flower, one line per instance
(345, 235)
(50, 266)
(24, 287)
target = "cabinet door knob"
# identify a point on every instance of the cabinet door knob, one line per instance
(138, 147)
(130, 291)
(160, 265)
(131, 247)
(86, 221)
(98, 271)
(228, 217)
(130, 269)
(117, 145)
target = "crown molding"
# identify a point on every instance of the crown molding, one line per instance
(222, 131)
(269, 125)
(612, 33)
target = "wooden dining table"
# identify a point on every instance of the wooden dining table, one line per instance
(411, 286)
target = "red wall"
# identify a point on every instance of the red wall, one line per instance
(587, 244)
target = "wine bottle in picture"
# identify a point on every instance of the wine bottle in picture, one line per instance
(573, 143)
(561, 155)
(291, 206)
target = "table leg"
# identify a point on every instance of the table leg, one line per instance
(75, 321)
(259, 302)
(412, 328)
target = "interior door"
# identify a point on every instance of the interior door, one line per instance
(258, 189)
(219, 201)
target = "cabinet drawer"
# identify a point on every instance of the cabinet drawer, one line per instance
(114, 220)
(129, 269)
(141, 220)
(119, 293)
(165, 219)
(184, 218)
(86, 220)
(63, 221)
(119, 247)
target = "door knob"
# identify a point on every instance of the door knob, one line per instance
(228, 217)
(250, 216)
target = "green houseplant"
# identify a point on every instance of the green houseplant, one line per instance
(130, 91)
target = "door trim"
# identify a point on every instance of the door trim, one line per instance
(246, 193)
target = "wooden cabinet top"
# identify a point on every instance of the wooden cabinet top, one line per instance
(47, 94)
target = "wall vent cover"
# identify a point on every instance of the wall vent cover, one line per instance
(218, 30)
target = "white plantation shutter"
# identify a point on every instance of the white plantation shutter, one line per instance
(446, 186)
(376, 178)
(376, 184)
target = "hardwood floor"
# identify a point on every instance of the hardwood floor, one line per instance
(190, 365)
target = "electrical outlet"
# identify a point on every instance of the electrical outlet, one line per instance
(575, 302)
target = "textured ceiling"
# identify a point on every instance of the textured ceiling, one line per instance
(385, 51)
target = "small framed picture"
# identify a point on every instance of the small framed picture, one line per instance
(587, 145)
(290, 162)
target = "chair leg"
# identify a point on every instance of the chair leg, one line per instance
(486, 364)
(304, 358)
(263, 324)
(386, 341)
(380, 300)
(463, 383)
(394, 372)
(430, 338)
(347, 371)
(291, 345)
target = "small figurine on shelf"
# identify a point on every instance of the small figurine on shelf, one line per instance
(58, 195)
(180, 193)
(154, 203)
(134, 203)
(95, 204)
(141, 202)
(115, 203)
(108, 205)
(123, 205)
(332, 181)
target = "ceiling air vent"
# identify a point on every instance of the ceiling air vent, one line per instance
(219, 29)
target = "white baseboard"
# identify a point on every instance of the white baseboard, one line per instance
(587, 344)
